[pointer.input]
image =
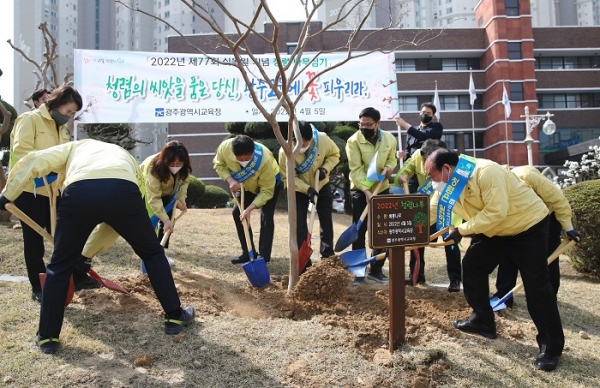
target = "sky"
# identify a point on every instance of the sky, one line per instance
(283, 9)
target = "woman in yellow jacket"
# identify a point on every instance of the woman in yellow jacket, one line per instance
(33, 131)
(167, 179)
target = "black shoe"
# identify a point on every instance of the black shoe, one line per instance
(240, 260)
(358, 281)
(420, 280)
(47, 345)
(175, 326)
(546, 363)
(36, 296)
(454, 286)
(87, 283)
(378, 277)
(266, 259)
(488, 331)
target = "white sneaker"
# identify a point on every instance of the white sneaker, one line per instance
(171, 262)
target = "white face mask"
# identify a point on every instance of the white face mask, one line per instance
(439, 186)
(175, 170)
(243, 164)
(304, 149)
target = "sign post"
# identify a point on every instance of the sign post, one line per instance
(397, 221)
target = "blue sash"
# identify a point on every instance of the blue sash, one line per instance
(251, 168)
(427, 187)
(453, 189)
(312, 156)
(168, 207)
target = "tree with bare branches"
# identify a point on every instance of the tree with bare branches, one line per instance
(351, 19)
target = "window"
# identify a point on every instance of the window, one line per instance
(514, 50)
(53, 27)
(571, 100)
(406, 65)
(53, 2)
(291, 48)
(167, 2)
(53, 14)
(167, 28)
(408, 103)
(518, 131)
(516, 91)
(167, 14)
(512, 7)
(449, 140)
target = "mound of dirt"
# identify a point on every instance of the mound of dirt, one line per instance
(325, 282)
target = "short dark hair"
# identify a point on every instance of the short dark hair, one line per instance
(371, 113)
(38, 94)
(305, 130)
(63, 95)
(242, 145)
(429, 105)
(443, 156)
(431, 145)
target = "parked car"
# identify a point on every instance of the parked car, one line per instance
(338, 201)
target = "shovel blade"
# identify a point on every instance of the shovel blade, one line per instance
(108, 283)
(257, 272)
(355, 257)
(358, 270)
(304, 253)
(346, 238)
(497, 304)
(70, 292)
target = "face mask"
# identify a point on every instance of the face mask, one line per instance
(175, 170)
(59, 118)
(304, 149)
(426, 119)
(243, 164)
(367, 133)
(439, 186)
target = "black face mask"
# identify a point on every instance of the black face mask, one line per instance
(367, 132)
(425, 119)
(59, 118)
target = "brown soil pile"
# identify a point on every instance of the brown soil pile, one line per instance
(325, 282)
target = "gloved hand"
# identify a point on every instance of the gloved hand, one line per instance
(3, 202)
(574, 235)
(454, 235)
(322, 173)
(312, 195)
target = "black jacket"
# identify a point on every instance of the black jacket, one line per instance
(416, 137)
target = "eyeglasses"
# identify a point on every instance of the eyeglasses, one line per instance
(366, 125)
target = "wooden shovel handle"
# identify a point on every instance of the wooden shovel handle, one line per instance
(366, 211)
(173, 220)
(314, 206)
(31, 223)
(244, 224)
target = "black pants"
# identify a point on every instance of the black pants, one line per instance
(453, 265)
(324, 209)
(38, 209)
(484, 255)
(84, 205)
(507, 271)
(267, 225)
(359, 203)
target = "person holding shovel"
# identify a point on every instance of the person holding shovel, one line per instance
(415, 166)
(506, 219)
(36, 130)
(369, 141)
(242, 161)
(103, 183)
(166, 179)
(318, 153)
(560, 219)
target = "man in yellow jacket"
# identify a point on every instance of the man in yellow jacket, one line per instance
(361, 148)
(506, 219)
(242, 161)
(318, 153)
(560, 219)
(102, 183)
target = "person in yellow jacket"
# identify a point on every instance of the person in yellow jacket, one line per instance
(242, 161)
(361, 147)
(415, 165)
(103, 183)
(560, 219)
(33, 131)
(166, 179)
(506, 219)
(320, 153)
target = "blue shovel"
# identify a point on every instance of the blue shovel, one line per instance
(256, 269)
